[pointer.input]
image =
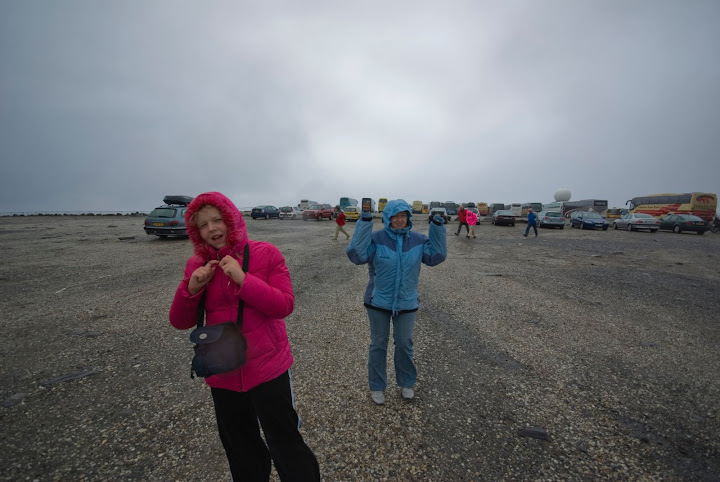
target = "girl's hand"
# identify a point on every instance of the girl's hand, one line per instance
(231, 268)
(201, 277)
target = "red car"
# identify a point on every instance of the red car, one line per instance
(318, 211)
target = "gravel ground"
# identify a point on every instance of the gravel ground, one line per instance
(577, 355)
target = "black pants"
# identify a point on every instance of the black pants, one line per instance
(466, 227)
(272, 405)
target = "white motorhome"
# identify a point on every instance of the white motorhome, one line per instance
(305, 204)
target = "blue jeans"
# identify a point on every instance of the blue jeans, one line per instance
(527, 230)
(403, 326)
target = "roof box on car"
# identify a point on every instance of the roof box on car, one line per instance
(182, 200)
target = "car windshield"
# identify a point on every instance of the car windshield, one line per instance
(163, 213)
(592, 216)
(286, 209)
(690, 217)
(553, 214)
(315, 206)
(504, 213)
(642, 215)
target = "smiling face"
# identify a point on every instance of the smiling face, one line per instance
(399, 221)
(211, 226)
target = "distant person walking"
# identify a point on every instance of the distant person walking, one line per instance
(462, 217)
(532, 221)
(339, 223)
(472, 221)
(394, 255)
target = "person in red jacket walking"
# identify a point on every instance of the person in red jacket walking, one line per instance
(340, 223)
(462, 217)
(261, 389)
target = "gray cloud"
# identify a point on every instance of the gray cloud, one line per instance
(110, 106)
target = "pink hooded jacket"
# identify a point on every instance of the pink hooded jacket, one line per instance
(471, 218)
(267, 292)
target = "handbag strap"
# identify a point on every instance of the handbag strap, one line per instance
(241, 303)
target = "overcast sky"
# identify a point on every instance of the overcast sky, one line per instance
(112, 105)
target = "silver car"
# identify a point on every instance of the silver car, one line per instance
(290, 212)
(550, 219)
(636, 221)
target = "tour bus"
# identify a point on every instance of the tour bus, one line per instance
(568, 207)
(368, 205)
(381, 204)
(516, 209)
(700, 204)
(417, 207)
(451, 208)
(347, 202)
(436, 204)
(615, 213)
(305, 204)
(482, 209)
(536, 207)
(495, 207)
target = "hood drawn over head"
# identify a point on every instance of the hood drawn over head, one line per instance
(392, 208)
(236, 234)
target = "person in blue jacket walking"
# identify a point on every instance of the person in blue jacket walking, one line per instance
(532, 222)
(394, 255)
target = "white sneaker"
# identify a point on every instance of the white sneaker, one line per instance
(378, 397)
(407, 393)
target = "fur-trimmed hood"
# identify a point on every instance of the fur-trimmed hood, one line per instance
(236, 233)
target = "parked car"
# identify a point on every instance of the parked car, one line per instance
(318, 211)
(635, 221)
(290, 212)
(438, 211)
(550, 219)
(678, 223)
(168, 219)
(588, 220)
(503, 217)
(265, 212)
(352, 213)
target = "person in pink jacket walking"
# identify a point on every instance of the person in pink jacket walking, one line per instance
(261, 389)
(472, 221)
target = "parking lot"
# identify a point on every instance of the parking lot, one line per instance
(574, 355)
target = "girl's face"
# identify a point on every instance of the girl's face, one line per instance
(399, 221)
(211, 226)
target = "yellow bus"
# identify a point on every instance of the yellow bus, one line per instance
(381, 204)
(417, 207)
(701, 204)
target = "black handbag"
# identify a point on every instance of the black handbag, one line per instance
(218, 348)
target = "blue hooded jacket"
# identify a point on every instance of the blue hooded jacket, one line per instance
(394, 257)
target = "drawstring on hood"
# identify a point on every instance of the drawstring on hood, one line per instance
(236, 235)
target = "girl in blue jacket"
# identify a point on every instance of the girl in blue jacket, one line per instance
(394, 255)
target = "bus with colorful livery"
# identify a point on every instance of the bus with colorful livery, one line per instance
(700, 204)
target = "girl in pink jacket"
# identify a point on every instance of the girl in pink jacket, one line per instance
(261, 389)
(472, 221)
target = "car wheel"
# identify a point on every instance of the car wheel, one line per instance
(614, 225)
(605, 228)
(677, 229)
(293, 217)
(582, 225)
(562, 227)
(701, 232)
(629, 227)
(653, 230)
